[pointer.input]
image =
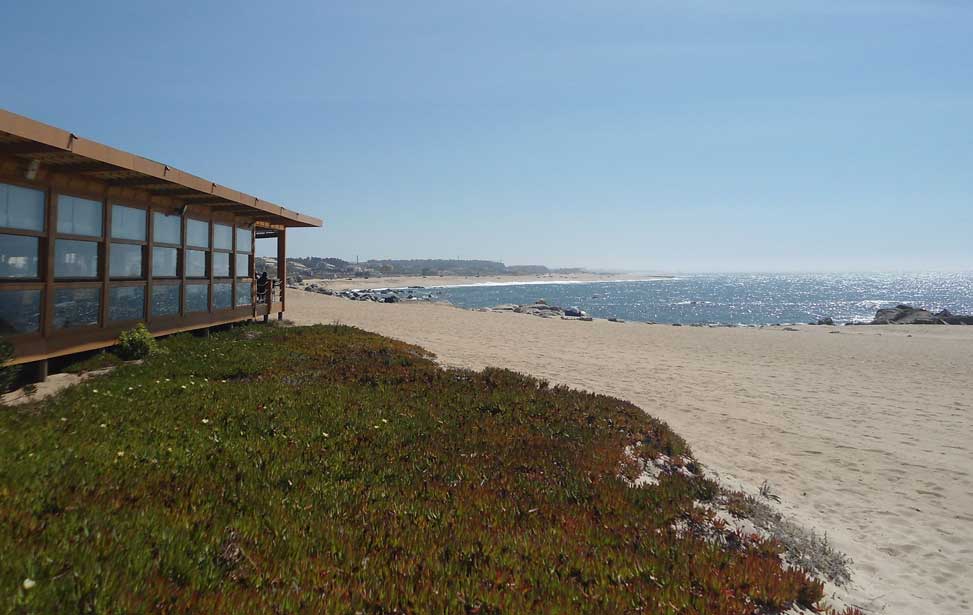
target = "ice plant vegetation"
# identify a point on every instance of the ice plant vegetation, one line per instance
(269, 489)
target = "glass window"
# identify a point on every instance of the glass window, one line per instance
(222, 296)
(166, 228)
(20, 311)
(76, 307)
(243, 265)
(244, 293)
(165, 299)
(75, 259)
(125, 261)
(126, 303)
(244, 240)
(18, 256)
(127, 223)
(77, 216)
(195, 264)
(164, 262)
(222, 236)
(197, 297)
(21, 208)
(221, 264)
(197, 233)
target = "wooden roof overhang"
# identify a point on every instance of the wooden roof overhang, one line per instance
(46, 150)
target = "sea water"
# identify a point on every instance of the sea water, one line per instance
(733, 299)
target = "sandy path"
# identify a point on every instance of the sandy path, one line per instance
(866, 433)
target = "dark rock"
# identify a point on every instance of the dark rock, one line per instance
(902, 315)
(677, 324)
(391, 299)
(827, 320)
(573, 311)
(615, 320)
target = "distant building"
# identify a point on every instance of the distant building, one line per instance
(94, 240)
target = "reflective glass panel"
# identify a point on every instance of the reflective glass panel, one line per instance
(77, 216)
(243, 265)
(197, 233)
(18, 256)
(197, 297)
(76, 307)
(165, 299)
(221, 264)
(75, 259)
(125, 261)
(195, 264)
(20, 311)
(222, 237)
(244, 293)
(244, 240)
(222, 295)
(166, 228)
(126, 303)
(164, 262)
(127, 223)
(21, 207)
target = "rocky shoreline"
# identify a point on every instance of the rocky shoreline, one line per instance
(384, 295)
(899, 315)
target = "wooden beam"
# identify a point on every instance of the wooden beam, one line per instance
(71, 168)
(138, 181)
(27, 148)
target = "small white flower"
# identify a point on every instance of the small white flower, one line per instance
(94, 390)
(384, 421)
(103, 426)
(64, 419)
(184, 386)
(121, 453)
(29, 583)
(205, 421)
(325, 434)
(158, 382)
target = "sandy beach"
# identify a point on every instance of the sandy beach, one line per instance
(864, 432)
(450, 280)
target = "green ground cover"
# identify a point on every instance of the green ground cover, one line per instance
(326, 469)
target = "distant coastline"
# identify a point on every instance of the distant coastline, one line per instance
(454, 281)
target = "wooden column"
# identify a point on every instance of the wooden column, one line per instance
(104, 267)
(282, 269)
(147, 265)
(47, 304)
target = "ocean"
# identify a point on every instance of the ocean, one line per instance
(734, 299)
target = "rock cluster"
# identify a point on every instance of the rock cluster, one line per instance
(908, 315)
(386, 295)
(542, 309)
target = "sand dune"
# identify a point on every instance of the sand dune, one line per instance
(864, 432)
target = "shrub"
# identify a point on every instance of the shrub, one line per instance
(136, 343)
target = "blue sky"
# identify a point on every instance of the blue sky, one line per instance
(667, 136)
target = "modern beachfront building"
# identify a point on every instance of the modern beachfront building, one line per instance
(94, 240)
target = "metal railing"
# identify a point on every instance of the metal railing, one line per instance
(271, 294)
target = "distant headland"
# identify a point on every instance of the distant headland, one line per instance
(319, 268)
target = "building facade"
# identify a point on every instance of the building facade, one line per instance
(94, 240)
